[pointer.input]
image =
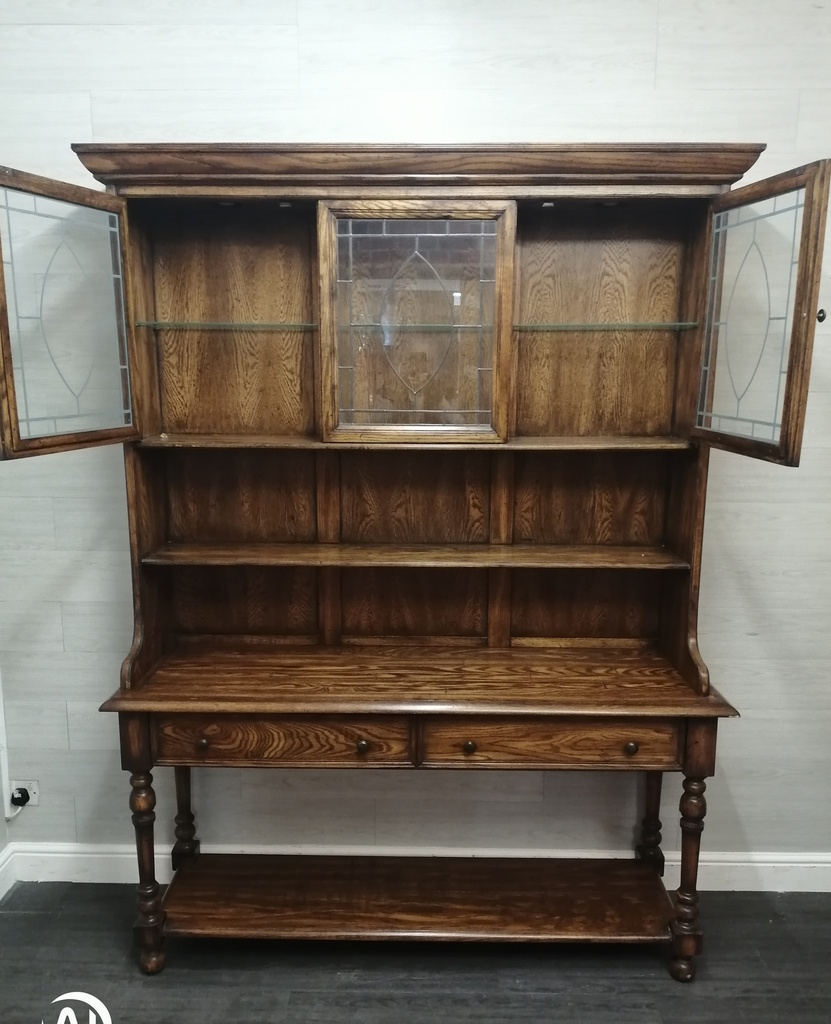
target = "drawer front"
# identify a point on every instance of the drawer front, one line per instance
(263, 740)
(638, 743)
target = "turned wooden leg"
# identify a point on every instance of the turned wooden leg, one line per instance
(186, 845)
(649, 848)
(686, 935)
(150, 921)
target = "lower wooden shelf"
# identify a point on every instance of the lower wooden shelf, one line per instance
(470, 898)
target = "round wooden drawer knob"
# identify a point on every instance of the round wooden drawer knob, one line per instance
(631, 748)
(362, 746)
(203, 743)
(469, 747)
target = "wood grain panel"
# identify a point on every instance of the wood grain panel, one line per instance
(575, 678)
(585, 603)
(244, 600)
(242, 497)
(590, 498)
(119, 163)
(248, 263)
(431, 498)
(414, 602)
(589, 263)
(552, 743)
(558, 556)
(261, 740)
(534, 900)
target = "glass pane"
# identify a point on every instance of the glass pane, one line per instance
(750, 317)
(415, 304)
(62, 269)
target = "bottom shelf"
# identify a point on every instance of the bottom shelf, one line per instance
(321, 897)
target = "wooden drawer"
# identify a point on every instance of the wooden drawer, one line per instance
(295, 740)
(552, 743)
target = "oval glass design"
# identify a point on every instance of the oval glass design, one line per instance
(750, 316)
(417, 323)
(415, 303)
(69, 302)
(747, 323)
(67, 330)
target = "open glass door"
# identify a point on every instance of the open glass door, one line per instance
(764, 279)
(64, 354)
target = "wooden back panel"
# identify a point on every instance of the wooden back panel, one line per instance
(243, 263)
(591, 263)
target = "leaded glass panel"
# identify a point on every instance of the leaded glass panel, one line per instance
(415, 321)
(64, 295)
(750, 310)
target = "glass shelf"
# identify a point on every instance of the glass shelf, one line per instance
(669, 326)
(420, 328)
(218, 325)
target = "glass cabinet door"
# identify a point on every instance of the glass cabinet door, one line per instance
(412, 300)
(64, 354)
(764, 278)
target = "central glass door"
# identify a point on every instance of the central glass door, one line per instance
(411, 318)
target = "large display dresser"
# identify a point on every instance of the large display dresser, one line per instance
(416, 445)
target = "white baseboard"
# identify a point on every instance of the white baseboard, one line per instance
(78, 862)
(7, 873)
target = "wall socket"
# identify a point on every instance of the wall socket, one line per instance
(32, 786)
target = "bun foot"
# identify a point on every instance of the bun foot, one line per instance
(152, 963)
(682, 968)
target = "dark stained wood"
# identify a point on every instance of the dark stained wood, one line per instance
(684, 533)
(265, 741)
(553, 556)
(147, 514)
(414, 602)
(585, 264)
(243, 600)
(604, 679)
(239, 442)
(138, 250)
(405, 898)
(241, 497)
(590, 498)
(186, 845)
(579, 742)
(686, 935)
(436, 498)
(248, 264)
(329, 518)
(148, 929)
(515, 595)
(380, 166)
(622, 602)
(649, 847)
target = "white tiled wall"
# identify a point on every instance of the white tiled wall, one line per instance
(473, 70)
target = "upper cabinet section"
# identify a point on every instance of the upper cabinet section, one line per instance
(415, 300)
(65, 380)
(763, 295)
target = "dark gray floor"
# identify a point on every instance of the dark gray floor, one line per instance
(767, 960)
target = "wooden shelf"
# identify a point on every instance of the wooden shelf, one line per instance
(447, 556)
(472, 898)
(589, 677)
(589, 443)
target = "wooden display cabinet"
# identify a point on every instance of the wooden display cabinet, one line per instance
(416, 454)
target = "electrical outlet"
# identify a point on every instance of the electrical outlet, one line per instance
(32, 787)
